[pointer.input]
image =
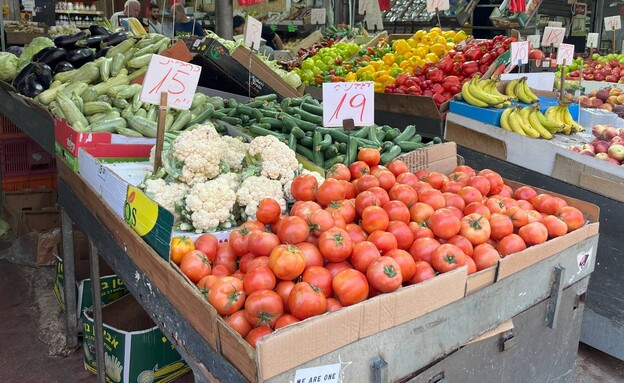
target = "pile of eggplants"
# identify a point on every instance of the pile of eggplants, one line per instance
(70, 52)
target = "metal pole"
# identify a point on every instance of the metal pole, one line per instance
(94, 262)
(598, 18)
(69, 277)
(224, 16)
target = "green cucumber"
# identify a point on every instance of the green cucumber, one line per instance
(292, 142)
(390, 155)
(330, 152)
(352, 151)
(317, 154)
(256, 130)
(335, 160)
(406, 135)
(306, 141)
(307, 153)
(408, 146)
(362, 132)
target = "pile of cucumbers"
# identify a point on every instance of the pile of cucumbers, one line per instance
(299, 123)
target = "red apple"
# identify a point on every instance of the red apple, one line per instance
(616, 151)
(610, 132)
(599, 130)
(574, 73)
(589, 76)
(587, 153)
(602, 156)
(599, 75)
(614, 63)
(601, 147)
(611, 78)
(613, 161)
(575, 149)
(536, 54)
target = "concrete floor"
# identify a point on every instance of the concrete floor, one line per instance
(32, 331)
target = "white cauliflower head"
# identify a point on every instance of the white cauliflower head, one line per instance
(256, 188)
(166, 194)
(232, 180)
(234, 153)
(278, 161)
(200, 151)
(210, 204)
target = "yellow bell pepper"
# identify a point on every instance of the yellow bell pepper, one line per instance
(420, 52)
(436, 30)
(419, 34)
(388, 59)
(437, 49)
(460, 36)
(389, 81)
(369, 68)
(351, 77)
(449, 46)
(439, 40)
(411, 42)
(379, 87)
(401, 46)
(432, 57)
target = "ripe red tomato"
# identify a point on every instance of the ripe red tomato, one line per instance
(397, 211)
(356, 233)
(525, 205)
(283, 289)
(333, 304)
(556, 226)
(364, 200)
(386, 179)
(268, 211)
(358, 169)
(476, 228)
(459, 177)
(339, 222)
(454, 200)
(293, 229)
(287, 262)
(336, 267)
(238, 274)
(533, 233)
(330, 190)
(500, 225)
(485, 256)
(381, 194)
(350, 287)
(495, 205)
(311, 254)
(260, 278)
(256, 262)
(221, 271)
(195, 265)
(518, 216)
(572, 217)
(422, 174)
(264, 308)
(402, 233)
(366, 182)
(423, 248)
(420, 212)
(463, 243)
(225, 257)
(397, 167)
(207, 243)
(304, 187)
(285, 320)
(320, 221)
(306, 301)
(496, 183)
(444, 223)
(471, 265)
(436, 179)
(481, 183)
(239, 323)
(447, 257)
(534, 216)
(350, 189)
(424, 271)
(421, 186)
(257, 334)
(335, 245)
(320, 277)
(362, 255)
(261, 243)
(433, 198)
(369, 156)
(560, 203)
(304, 208)
(465, 169)
(206, 283)
(339, 172)
(478, 208)
(407, 179)
(509, 202)
(406, 263)
(239, 241)
(227, 295)
(383, 240)
(510, 244)
(470, 194)
(374, 218)
(346, 208)
(451, 187)
(420, 230)
(506, 192)
(403, 193)
(384, 275)
(525, 193)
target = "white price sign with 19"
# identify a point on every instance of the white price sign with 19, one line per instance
(178, 78)
(349, 100)
(253, 32)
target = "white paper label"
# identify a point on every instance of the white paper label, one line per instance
(349, 100)
(321, 374)
(440, 5)
(534, 40)
(520, 52)
(592, 40)
(178, 78)
(553, 35)
(565, 52)
(253, 32)
(612, 23)
(557, 24)
(318, 16)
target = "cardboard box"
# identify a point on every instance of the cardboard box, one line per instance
(501, 18)
(135, 348)
(549, 157)
(312, 38)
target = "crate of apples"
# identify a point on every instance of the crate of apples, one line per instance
(608, 145)
(611, 99)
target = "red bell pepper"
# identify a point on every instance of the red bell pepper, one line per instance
(473, 54)
(484, 68)
(439, 99)
(446, 64)
(414, 90)
(401, 78)
(449, 82)
(469, 68)
(437, 89)
(435, 75)
(487, 58)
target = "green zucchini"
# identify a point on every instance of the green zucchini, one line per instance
(335, 160)
(390, 155)
(317, 154)
(406, 135)
(408, 146)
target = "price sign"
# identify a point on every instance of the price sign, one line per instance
(318, 16)
(565, 52)
(253, 32)
(349, 100)
(364, 6)
(556, 24)
(520, 52)
(534, 40)
(177, 78)
(613, 23)
(592, 40)
(553, 35)
(440, 5)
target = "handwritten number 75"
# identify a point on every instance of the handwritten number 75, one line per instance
(174, 78)
(357, 101)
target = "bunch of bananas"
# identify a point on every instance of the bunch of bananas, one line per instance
(518, 89)
(483, 94)
(529, 121)
(561, 114)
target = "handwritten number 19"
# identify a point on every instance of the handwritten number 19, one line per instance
(353, 103)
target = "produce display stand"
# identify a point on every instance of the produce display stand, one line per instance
(558, 169)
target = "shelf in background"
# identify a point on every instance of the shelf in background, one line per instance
(79, 12)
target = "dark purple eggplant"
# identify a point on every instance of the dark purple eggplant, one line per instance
(63, 66)
(31, 87)
(115, 39)
(69, 41)
(101, 53)
(44, 74)
(79, 57)
(51, 56)
(22, 75)
(98, 30)
(91, 42)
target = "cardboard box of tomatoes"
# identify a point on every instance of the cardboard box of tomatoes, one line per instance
(521, 241)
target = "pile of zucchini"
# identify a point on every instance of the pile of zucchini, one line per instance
(298, 122)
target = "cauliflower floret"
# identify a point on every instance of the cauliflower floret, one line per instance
(166, 195)
(234, 153)
(201, 151)
(287, 192)
(278, 161)
(210, 204)
(232, 180)
(256, 188)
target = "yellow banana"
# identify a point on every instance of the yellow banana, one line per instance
(484, 83)
(510, 89)
(524, 114)
(482, 95)
(521, 95)
(535, 124)
(525, 124)
(551, 125)
(528, 91)
(466, 95)
(551, 113)
(494, 89)
(567, 118)
(504, 122)
(514, 122)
